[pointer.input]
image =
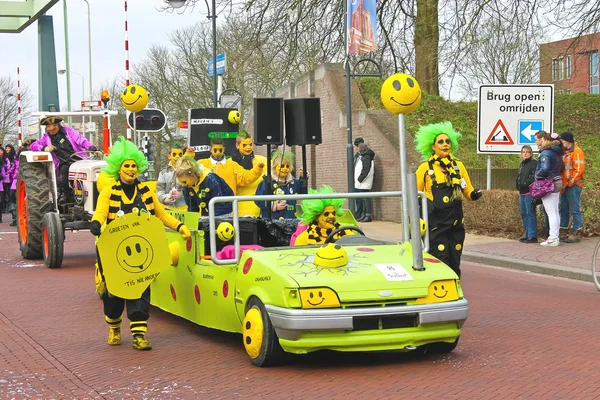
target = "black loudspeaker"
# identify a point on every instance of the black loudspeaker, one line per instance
(303, 121)
(268, 120)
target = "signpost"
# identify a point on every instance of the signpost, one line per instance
(221, 62)
(510, 115)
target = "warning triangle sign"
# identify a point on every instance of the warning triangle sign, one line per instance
(499, 135)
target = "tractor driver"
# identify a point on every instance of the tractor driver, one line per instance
(62, 142)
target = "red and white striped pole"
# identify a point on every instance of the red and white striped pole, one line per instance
(127, 72)
(19, 132)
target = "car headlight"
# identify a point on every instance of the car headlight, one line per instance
(440, 291)
(319, 298)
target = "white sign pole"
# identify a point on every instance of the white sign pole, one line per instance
(489, 173)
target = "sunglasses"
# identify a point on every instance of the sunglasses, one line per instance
(328, 213)
(442, 141)
(177, 154)
(129, 166)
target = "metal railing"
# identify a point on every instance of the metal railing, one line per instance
(418, 246)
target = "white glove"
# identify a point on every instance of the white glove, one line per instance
(49, 148)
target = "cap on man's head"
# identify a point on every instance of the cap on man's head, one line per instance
(567, 137)
(358, 141)
(51, 120)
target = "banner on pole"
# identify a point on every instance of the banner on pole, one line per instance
(362, 26)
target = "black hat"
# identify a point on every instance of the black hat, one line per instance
(358, 141)
(567, 137)
(51, 120)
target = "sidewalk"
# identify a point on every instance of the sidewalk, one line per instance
(569, 260)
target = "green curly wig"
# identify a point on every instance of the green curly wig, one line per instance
(425, 137)
(312, 208)
(278, 157)
(123, 150)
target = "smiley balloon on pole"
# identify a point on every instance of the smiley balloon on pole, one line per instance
(134, 98)
(400, 95)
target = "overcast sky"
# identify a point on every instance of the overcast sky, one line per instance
(147, 26)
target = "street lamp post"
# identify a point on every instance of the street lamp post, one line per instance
(89, 49)
(63, 72)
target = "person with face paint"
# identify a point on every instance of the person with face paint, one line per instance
(62, 142)
(233, 173)
(445, 182)
(10, 182)
(283, 183)
(168, 189)
(244, 155)
(125, 162)
(321, 217)
(202, 185)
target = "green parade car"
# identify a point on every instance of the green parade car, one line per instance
(358, 294)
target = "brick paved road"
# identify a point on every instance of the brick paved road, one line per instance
(528, 336)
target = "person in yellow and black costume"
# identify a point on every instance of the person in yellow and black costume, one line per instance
(127, 195)
(243, 154)
(321, 217)
(445, 181)
(233, 173)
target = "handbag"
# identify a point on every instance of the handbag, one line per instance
(541, 187)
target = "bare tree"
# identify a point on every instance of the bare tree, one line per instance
(501, 54)
(8, 109)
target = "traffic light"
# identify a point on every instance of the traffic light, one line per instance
(148, 120)
(149, 150)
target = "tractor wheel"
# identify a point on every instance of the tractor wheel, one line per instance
(54, 238)
(33, 202)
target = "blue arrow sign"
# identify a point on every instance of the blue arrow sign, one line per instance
(221, 62)
(528, 129)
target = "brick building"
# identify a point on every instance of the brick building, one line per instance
(327, 162)
(571, 64)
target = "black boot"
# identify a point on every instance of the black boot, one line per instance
(14, 217)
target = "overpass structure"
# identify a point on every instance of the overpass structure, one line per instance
(17, 15)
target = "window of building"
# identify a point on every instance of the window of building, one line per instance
(594, 72)
(568, 66)
(561, 68)
(554, 67)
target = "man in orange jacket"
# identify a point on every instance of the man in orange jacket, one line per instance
(570, 197)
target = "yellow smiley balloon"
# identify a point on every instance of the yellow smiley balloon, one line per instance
(134, 98)
(234, 117)
(400, 94)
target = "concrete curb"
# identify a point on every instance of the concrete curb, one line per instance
(530, 266)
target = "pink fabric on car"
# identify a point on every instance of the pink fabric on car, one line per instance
(299, 229)
(228, 252)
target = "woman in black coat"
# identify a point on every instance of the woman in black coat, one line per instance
(525, 177)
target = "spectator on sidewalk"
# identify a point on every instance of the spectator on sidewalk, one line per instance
(445, 182)
(10, 182)
(572, 182)
(364, 172)
(550, 165)
(525, 177)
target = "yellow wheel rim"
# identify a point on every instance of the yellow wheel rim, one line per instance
(252, 332)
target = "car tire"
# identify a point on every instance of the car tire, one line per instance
(441, 347)
(260, 340)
